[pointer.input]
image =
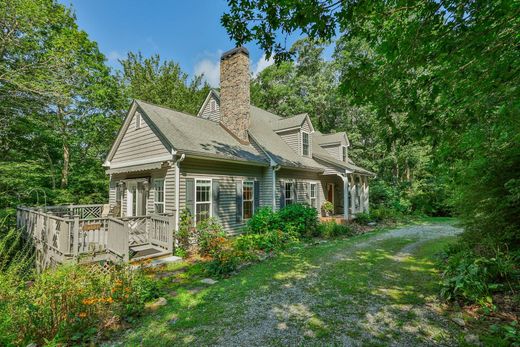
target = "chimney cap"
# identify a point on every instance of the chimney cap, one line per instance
(234, 51)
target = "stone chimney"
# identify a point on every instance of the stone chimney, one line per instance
(234, 92)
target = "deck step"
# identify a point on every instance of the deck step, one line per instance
(146, 251)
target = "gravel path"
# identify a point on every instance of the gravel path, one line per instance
(303, 311)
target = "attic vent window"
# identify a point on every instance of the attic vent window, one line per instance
(344, 153)
(212, 106)
(305, 143)
(137, 120)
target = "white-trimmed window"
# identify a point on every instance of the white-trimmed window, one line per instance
(202, 199)
(313, 195)
(248, 192)
(305, 143)
(289, 193)
(137, 120)
(158, 187)
(344, 153)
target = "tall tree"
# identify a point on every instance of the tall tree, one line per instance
(60, 103)
(163, 83)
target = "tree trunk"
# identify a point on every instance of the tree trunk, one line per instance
(65, 169)
(66, 149)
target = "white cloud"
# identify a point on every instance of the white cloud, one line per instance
(210, 69)
(261, 64)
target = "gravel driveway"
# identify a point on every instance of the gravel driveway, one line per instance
(327, 303)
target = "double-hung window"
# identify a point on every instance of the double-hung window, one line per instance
(305, 143)
(247, 199)
(289, 193)
(313, 195)
(344, 153)
(158, 187)
(202, 199)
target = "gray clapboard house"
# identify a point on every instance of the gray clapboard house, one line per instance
(229, 160)
(226, 162)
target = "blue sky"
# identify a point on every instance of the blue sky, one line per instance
(188, 32)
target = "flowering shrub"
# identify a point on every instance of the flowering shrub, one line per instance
(71, 304)
(182, 236)
(209, 232)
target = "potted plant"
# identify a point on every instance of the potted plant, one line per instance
(328, 208)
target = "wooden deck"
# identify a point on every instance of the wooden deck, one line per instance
(83, 233)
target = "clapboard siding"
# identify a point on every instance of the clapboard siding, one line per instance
(227, 175)
(138, 144)
(207, 113)
(266, 188)
(292, 138)
(333, 150)
(169, 190)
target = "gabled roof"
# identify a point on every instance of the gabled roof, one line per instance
(291, 122)
(273, 145)
(213, 92)
(324, 139)
(196, 136)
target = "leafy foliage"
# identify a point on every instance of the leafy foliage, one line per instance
(299, 218)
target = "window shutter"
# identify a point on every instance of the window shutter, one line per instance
(295, 192)
(190, 195)
(308, 192)
(256, 196)
(239, 200)
(215, 192)
(282, 194)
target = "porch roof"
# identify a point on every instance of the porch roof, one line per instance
(133, 168)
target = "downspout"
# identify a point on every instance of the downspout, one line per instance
(177, 189)
(275, 168)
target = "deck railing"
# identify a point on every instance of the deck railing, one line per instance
(61, 236)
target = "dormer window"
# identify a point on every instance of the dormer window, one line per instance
(305, 144)
(137, 120)
(344, 153)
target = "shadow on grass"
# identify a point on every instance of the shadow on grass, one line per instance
(327, 294)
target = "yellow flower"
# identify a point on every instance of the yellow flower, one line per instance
(82, 314)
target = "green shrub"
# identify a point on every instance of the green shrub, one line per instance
(383, 213)
(472, 278)
(363, 218)
(71, 304)
(263, 220)
(300, 218)
(208, 230)
(332, 229)
(183, 234)
(273, 240)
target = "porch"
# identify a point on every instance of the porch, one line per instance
(87, 233)
(349, 195)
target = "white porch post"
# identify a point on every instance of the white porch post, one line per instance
(352, 195)
(362, 201)
(345, 197)
(366, 195)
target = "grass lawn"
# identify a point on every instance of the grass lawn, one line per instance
(371, 289)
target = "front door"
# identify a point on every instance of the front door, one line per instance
(135, 199)
(330, 192)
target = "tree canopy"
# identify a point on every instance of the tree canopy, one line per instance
(445, 73)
